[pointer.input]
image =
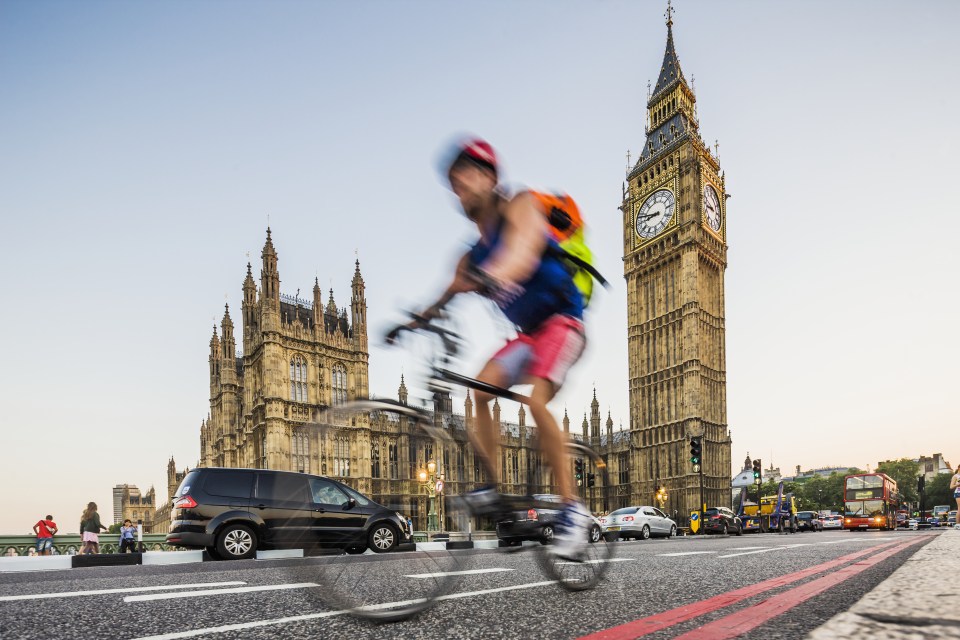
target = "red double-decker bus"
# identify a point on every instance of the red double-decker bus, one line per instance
(871, 501)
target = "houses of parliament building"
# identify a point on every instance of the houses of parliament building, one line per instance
(302, 356)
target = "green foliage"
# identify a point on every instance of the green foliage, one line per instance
(114, 528)
(905, 472)
(938, 492)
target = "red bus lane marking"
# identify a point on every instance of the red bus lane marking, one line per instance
(656, 622)
(752, 617)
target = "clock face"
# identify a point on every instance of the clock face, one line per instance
(655, 213)
(711, 207)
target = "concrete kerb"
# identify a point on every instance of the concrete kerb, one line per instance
(917, 601)
(49, 563)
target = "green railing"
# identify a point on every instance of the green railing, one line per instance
(70, 544)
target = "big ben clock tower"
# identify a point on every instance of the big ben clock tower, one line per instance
(675, 254)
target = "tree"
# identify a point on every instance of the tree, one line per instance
(114, 528)
(938, 491)
(904, 472)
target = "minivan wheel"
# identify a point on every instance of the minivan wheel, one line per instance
(383, 538)
(236, 542)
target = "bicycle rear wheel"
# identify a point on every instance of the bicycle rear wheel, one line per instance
(370, 578)
(590, 569)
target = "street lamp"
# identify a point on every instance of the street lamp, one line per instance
(429, 480)
(662, 496)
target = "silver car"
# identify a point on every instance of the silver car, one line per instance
(638, 522)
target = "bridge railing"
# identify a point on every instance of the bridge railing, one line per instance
(70, 544)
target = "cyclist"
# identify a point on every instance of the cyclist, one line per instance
(512, 263)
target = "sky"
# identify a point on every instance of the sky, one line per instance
(145, 147)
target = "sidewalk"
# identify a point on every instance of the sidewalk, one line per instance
(919, 601)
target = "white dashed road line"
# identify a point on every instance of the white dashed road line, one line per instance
(217, 592)
(98, 592)
(683, 553)
(469, 572)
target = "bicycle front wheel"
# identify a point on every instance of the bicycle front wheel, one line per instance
(589, 570)
(380, 573)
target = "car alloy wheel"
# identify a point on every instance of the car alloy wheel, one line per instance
(673, 531)
(546, 534)
(236, 542)
(382, 538)
(595, 533)
(645, 532)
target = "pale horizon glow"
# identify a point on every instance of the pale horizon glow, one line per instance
(145, 147)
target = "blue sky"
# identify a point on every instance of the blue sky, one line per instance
(143, 147)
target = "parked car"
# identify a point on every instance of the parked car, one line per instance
(233, 512)
(832, 522)
(537, 523)
(809, 521)
(721, 520)
(639, 523)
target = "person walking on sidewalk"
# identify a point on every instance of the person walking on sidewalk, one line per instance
(128, 534)
(45, 530)
(955, 485)
(90, 527)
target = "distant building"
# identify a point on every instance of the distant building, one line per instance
(134, 505)
(161, 519)
(823, 472)
(931, 466)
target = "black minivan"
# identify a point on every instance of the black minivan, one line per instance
(233, 512)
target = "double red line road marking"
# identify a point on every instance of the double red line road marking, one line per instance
(744, 620)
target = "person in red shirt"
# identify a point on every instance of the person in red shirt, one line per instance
(44, 529)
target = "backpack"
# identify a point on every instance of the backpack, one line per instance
(567, 229)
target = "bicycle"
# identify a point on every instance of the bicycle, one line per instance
(392, 587)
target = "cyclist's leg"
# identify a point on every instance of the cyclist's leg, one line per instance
(485, 439)
(552, 441)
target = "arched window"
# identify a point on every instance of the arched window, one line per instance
(298, 379)
(338, 376)
(300, 451)
(375, 460)
(341, 456)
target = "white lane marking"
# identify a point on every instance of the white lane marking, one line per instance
(327, 614)
(858, 540)
(780, 548)
(601, 560)
(75, 594)
(216, 592)
(683, 553)
(455, 573)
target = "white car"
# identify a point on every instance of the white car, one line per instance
(832, 522)
(638, 522)
(913, 524)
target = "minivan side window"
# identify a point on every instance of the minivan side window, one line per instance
(283, 487)
(185, 485)
(228, 484)
(325, 492)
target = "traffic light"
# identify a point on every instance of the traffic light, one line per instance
(591, 479)
(578, 471)
(696, 449)
(921, 482)
(757, 472)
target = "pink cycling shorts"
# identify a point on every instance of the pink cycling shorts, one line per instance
(548, 352)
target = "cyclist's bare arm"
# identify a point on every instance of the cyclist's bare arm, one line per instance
(462, 283)
(523, 243)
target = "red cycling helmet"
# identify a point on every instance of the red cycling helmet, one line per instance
(471, 150)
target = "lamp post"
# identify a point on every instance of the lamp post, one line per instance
(429, 480)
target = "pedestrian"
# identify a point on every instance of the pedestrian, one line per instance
(127, 536)
(90, 527)
(45, 530)
(955, 485)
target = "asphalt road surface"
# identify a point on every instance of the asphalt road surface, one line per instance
(761, 585)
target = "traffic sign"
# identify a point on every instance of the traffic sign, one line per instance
(439, 486)
(694, 521)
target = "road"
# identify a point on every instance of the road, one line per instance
(814, 576)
